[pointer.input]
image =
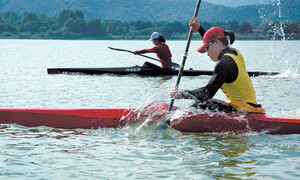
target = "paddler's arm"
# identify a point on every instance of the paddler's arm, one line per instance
(201, 31)
(196, 26)
(151, 50)
(225, 71)
(201, 94)
(207, 92)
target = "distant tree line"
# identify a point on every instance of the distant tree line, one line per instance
(69, 24)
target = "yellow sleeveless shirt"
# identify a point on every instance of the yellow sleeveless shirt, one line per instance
(241, 92)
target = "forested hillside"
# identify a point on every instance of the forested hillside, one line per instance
(158, 10)
(69, 24)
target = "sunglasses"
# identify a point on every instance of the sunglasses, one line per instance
(209, 44)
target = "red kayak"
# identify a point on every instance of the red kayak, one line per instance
(184, 120)
(238, 123)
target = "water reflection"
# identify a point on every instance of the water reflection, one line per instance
(224, 154)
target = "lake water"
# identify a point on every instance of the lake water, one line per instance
(124, 153)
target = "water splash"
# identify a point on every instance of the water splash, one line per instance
(289, 74)
(262, 15)
(144, 120)
(293, 113)
(278, 33)
(278, 28)
(298, 63)
(275, 23)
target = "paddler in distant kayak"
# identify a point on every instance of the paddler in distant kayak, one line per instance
(230, 75)
(161, 49)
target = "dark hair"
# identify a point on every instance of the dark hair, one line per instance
(162, 39)
(231, 37)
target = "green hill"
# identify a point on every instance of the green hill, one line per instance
(158, 10)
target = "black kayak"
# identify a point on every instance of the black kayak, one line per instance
(145, 71)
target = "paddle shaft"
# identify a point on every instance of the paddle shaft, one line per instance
(173, 64)
(184, 57)
(133, 53)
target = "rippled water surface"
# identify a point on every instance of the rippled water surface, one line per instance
(125, 153)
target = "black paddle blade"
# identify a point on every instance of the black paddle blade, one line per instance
(117, 49)
(163, 125)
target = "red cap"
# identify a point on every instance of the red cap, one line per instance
(211, 35)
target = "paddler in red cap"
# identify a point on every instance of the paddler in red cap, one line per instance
(230, 75)
(161, 49)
